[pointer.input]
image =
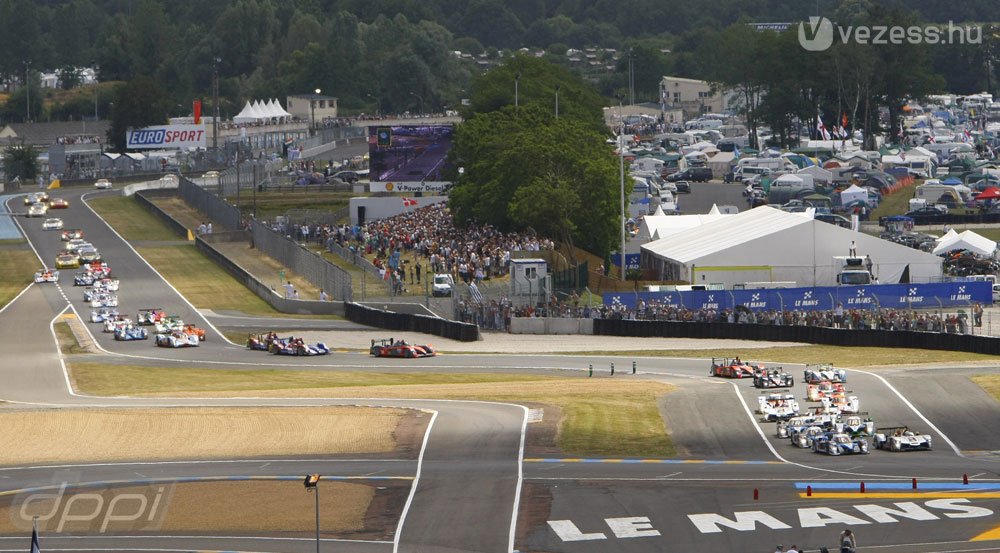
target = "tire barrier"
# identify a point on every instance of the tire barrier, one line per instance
(406, 322)
(806, 334)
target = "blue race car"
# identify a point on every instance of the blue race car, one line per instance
(131, 332)
(833, 443)
(103, 314)
(297, 347)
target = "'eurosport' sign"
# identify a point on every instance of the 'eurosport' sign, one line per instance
(916, 296)
(166, 137)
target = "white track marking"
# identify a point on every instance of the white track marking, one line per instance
(916, 411)
(520, 479)
(413, 485)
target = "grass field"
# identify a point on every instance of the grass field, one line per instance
(17, 269)
(990, 383)
(272, 204)
(600, 416)
(896, 203)
(68, 343)
(131, 220)
(203, 283)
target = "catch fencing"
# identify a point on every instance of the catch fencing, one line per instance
(311, 265)
(218, 211)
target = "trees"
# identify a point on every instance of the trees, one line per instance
(524, 168)
(138, 103)
(20, 162)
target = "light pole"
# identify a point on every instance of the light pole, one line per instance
(27, 86)
(312, 108)
(557, 101)
(420, 99)
(621, 160)
(94, 64)
(517, 82)
(312, 485)
(215, 105)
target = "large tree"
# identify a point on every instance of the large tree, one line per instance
(138, 103)
(20, 162)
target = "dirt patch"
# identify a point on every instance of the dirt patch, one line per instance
(536, 508)
(180, 211)
(68, 436)
(217, 507)
(266, 269)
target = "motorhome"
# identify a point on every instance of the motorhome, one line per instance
(775, 164)
(951, 195)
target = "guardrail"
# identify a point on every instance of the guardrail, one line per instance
(463, 332)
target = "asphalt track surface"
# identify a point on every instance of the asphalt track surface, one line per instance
(471, 487)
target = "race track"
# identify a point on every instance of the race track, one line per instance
(473, 489)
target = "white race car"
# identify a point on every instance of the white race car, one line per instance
(901, 438)
(47, 275)
(841, 405)
(814, 374)
(775, 407)
(176, 339)
(788, 428)
(52, 223)
(856, 425)
(102, 184)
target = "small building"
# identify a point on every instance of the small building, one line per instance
(695, 97)
(308, 106)
(529, 277)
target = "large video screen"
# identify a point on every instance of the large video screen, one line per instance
(409, 158)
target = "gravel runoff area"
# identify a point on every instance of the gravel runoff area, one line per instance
(525, 343)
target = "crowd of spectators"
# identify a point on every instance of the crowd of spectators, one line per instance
(79, 139)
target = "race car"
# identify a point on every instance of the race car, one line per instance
(58, 203)
(47, 275)
(805, 437)
(32, 199)
(400, 348)
(104, 299)
(199, 332)
(841, 404)
(89, 254)
(37, 210)
(787, 428)
(67, 261)
(107, 284)
(901, 438)
(103, 314)
(72, 234)
(52, 223)
(74, 244)
(262, 342)
(816, 392)
(814, 374)
(726, 367)
(775, 407)
(150, 316)
(176, 339)
(114, 323)
(131, 332)
(856, 426)
(102, 184)
(772, 378)
(296, 346)
(100, 269)
(833, 443)
(84, 278)
(168, 324)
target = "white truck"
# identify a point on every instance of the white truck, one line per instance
(852, 271)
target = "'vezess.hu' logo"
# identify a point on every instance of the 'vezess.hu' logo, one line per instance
(817, 35)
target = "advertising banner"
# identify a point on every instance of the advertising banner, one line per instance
(936, 295)
(410, 187)
(166, 137)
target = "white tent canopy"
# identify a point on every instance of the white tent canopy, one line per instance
(967, 240)
(789, 178)
(853, 194)
(260, 110)
(767, 244)
(818, 174)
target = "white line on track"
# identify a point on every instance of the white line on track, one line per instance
(413, 485)
(520, 479)
(205, 462)
(206, 537)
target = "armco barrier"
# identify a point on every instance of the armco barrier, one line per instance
(807, 334)
(142, 196)
(303, 307)
(215, 208)
(405, 322)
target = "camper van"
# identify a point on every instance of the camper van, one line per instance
(952, 196)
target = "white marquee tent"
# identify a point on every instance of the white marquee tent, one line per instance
(967, 240)
(258, 111)
(767, 244)
(854, 193)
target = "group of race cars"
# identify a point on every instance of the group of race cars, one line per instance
(101, 293)
(388, 347)
(834, 427)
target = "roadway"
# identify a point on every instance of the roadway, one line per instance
(469, 482)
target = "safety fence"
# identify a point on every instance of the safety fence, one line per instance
(142, 196)
(311, 265)
(284, 305)
(218, 211)
(408, 322)
(807, 334)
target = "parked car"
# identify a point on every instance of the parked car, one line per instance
(683, 186)
(926, 215)
(696, 174)
(350, 177)
(442, 285)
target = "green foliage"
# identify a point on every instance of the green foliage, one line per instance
(525, 168)
(138, 103)
(20, 162)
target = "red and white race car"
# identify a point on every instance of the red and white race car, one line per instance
(726, 367)
(400, 348)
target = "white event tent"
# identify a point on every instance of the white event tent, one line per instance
(966, 240)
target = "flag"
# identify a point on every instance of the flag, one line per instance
(407, 202)
(34, 540)
(477, 296)
(843, 119)
(901, 132)
(736, 152)
(932, 140)
(967, 136)
(821, 128)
